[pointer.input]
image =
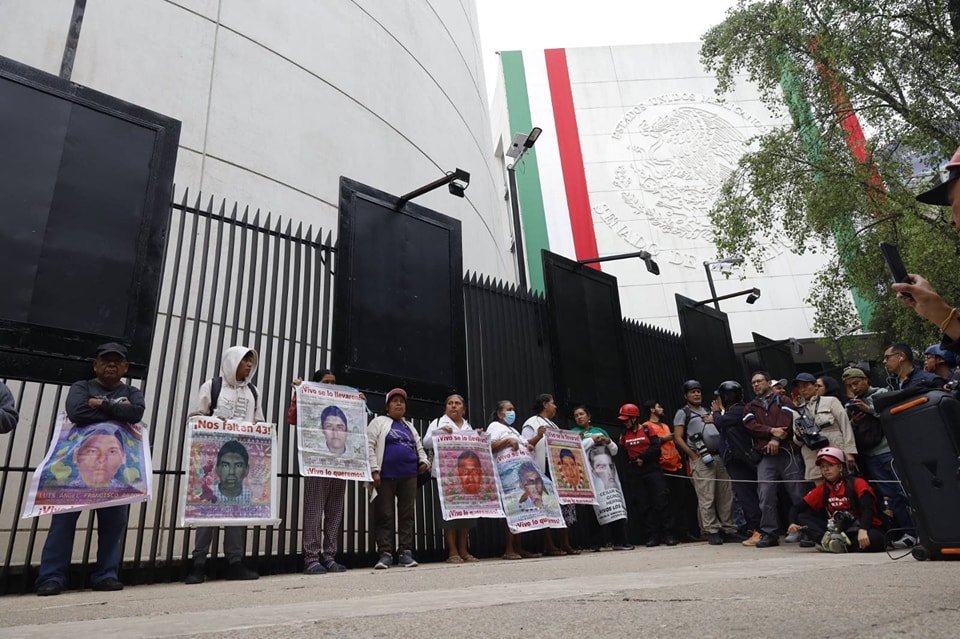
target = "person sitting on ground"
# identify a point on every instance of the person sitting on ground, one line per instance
(841, 513)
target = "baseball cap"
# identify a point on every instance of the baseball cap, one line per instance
(852, 371)
(112, 348)
(805, 377)
(938, 195)
(938, 351)
(396, 391)
(780, 382)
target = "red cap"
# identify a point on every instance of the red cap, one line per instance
(629, 410)
(396, 391)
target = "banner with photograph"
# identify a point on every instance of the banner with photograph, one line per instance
(231, 470)
(529, 499)
(91, 466)
(568, 467)
(332, 432)
(611, 504)
(465, 477)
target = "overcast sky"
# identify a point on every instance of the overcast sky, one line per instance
(507, 25)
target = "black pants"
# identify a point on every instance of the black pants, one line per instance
(816, 525)
(745, 491)
(595, 534)
(683, 504)
(649, 495)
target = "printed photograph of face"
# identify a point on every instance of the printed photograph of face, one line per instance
(334, 425)
(470, 472)
(532, 484)
(603, 469)
(233, 465)
(570, 469)
(99, 456)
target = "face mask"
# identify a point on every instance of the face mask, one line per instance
(510, 417)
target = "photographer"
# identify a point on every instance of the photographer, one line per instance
(822, 421)
(736, 445)
(841, 513)
(876, 459)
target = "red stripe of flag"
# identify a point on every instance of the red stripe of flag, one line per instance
(571, 157)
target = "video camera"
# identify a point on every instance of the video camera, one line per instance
(809, 433)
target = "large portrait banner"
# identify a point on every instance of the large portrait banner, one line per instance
(465, 477)
(91, 466)
(231, 470)
(610, 505)
(568, 467)
(529, 498)
(332, 432)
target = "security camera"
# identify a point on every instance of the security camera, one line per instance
(517, 146)
(753, 296)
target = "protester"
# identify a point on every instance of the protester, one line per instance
(941, 362)
(232, 396)
(769, 418)
(830, 387)
(534, 431)
(827, 414)
(682, 497)
(396, 458)
(504, 437)
(322, 497)
(779, 386)
(903, 373)
(842, 512)
(739, 454)
(456, 532)
(102, 399)
(647, 486)
(875, 458)
(8, 410)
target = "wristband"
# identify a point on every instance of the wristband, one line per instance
(946, 322)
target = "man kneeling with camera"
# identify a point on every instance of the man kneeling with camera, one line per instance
(842, 513)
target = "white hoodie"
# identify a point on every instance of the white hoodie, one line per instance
(236, 400)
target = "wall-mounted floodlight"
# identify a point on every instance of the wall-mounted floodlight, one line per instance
(753, 294)
(652, 267)
(457, 182)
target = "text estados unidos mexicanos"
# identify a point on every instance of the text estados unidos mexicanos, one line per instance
(549, 521)
(233, 427)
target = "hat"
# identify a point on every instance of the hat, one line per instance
(831, 455)
(112, 347)
(852, 371)
(938, 195)
(396, 391)
(780, 382)
(805, 377)
(627, 411)
(938, 351)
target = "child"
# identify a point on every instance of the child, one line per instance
(322, 500)
(850, 504)
(230, 396)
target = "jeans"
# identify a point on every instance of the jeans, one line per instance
(233, 543)
(785, 465)
(879, 469)
(746, 491)
(58, 549)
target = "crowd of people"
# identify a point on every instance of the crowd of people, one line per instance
(812, 464)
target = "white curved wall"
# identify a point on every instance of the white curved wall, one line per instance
(278, 99)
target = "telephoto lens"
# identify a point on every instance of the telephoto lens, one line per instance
(697, 440)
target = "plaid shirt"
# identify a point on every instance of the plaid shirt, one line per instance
(244, 497)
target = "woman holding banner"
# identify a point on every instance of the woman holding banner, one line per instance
(534, 430)
(504, 437)
(456, 532)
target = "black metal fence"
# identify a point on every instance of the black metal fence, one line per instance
(242, 278)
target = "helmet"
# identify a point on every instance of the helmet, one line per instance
(629, 410)
(832, 455)
(729, 390)
(691, 384)
(938, 351)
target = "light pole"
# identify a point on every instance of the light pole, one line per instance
(729, 261)
(521, 143)
(753, 294)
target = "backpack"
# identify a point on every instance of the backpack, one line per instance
(851, 493)
(216, 385)
(711, 436)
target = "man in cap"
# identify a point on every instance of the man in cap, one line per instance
(876, 459)
(779, 386)
(941, 362)
(102, 399)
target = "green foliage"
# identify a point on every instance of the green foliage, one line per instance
(898, 64)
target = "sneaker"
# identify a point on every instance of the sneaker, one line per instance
(333, 566)
(907, 541)
(715, 539)
(406, 560)
(753, 539)
(620, 547)
(734, 536)
(767, 541)
(238, 572)
(792, 538)
(49, 588)
(197, 574)
(385, 561)
(107, 585)
(607, 547)
(653, 542)
(314, 568)
(670, 540)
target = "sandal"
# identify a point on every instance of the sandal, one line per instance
(571, 551)
(469, 558)
(454, 559)
(512, 556)
(529, 555)
(555, 552)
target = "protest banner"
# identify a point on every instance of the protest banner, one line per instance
(465, 477)
(568, 468)
(610, 505)
(231, 474)
(529, 499)
(332, 432)
(91, 466)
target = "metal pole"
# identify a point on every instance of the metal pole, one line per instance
(517, 231)
(713, 290)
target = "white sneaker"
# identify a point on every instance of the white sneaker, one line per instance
(792, 538)
(386, 560)
(907, 541)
